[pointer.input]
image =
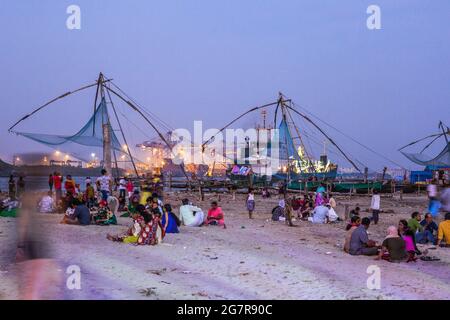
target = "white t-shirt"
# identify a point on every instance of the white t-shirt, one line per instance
(122, 184)
(432, 190)
(104, 182)
(375, 205)
(187, 214)
(251, 197)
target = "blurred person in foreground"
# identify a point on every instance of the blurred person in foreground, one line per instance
(38, 277)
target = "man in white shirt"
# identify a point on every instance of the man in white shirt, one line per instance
(122, 187)
(375, 206)
(191, 216)
(104, 184)
(320, 214)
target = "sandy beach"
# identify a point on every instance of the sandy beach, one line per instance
(251, 259)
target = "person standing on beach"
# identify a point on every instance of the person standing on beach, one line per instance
(250, 203)
(50, 182)
(69, 185)
(130, 188)
(104, 184)
(57, 183)
(122, 187)
(375, 206)
(20, 187)
(433, 206)
(12, 187)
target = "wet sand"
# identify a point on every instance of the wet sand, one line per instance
(251, 259)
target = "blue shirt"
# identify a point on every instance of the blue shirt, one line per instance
(358, 240)
(431, 227)
(82, 214)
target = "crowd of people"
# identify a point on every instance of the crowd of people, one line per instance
(401, 241)
(102, 201)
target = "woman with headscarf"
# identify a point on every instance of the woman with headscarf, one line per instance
(393, 248)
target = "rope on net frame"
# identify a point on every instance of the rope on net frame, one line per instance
(349, 137)
(137, 109)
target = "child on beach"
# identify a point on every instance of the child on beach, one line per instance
(250, 201)
(104, 215)
(132, 234)
(375, 206)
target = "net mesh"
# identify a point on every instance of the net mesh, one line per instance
(84, 143)
(442, 159)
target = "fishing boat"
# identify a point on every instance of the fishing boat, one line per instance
(296, 164)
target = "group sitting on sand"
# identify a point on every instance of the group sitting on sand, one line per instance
(318, 208)
(151, 218)
(400, 242)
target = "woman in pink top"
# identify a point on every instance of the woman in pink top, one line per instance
(215, 215)
(408, 237)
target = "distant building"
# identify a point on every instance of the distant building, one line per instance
(45, 159)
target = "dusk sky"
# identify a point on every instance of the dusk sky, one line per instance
(212, 60)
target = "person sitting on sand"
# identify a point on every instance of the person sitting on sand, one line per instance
(132, 234)
(409, 237)
(306, 207)
(355, 222)
(215, 215)
(393, 248)
(113, 204)
(319, 200)
(153, 203)
(46, 205)
(191, 216)
(444, 232)
(429, 229)
(152, 231)
(132, 206)
(332, 215)
(104, 216)
(355, 212)
(170, 221)
(81, 214)
(320, 214)
(278, 212)
(296, 204)
(359, 241)
(332, 202)
(414, 223)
